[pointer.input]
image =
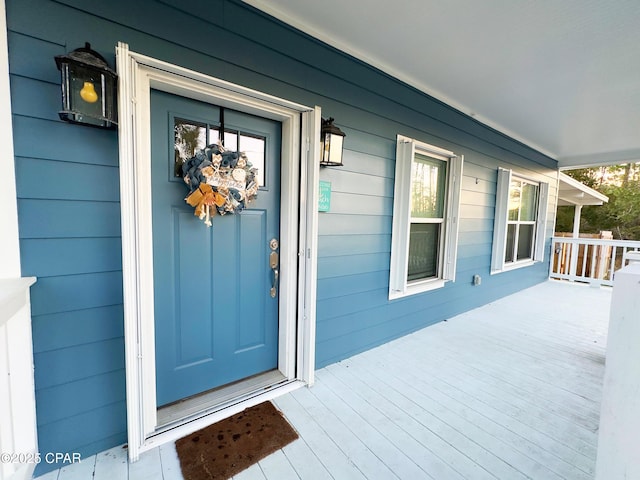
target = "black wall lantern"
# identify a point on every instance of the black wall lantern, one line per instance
(88, 88)
(331, 141)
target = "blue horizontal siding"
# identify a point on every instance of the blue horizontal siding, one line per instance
(479, 264)
(372, 145)
(79, 181)
(337, 245)
(475, 238)
(476, 225)
(82, 433)
(70, 223)
(48, 257)
(366, 162)
(79, 397)
(360, 204)
(358, 183)
(34, 98)
(351, 264)
(38, 66)
(332, 287)
(59, 367)
(66, 329)
(76, 292)
(63, 219)
(336, 224)
(352, 303)
(56, 140)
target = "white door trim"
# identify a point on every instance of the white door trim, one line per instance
(298, 237)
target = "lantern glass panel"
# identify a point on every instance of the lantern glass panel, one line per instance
(332, 149)
(86, 111)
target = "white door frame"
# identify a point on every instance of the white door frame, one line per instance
(138, 74)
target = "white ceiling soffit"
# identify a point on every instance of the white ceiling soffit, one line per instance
(572, 192)
(562, 76)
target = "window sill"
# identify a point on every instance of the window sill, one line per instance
(515, 266)
(415, 288)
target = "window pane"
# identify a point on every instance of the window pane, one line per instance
(230, 140)
(514, 200)
(189, 137)
(214, 135)
(423, 250)
(529, 202)
(254, 149)
(525, 242)
(511, 239)
(428, 177)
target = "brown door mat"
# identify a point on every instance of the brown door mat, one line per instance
(226, 448)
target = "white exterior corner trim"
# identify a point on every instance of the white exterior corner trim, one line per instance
(9, 243)
(18, 431)
(138, 74)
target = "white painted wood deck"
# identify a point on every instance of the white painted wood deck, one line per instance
(507, 391)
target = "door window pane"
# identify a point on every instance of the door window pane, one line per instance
(230, 140)
(188, 137)
(525, 241)
(428, 177)
(423, 250)
(254, 148)
(214, 136)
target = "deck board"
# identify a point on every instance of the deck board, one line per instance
(508, 391)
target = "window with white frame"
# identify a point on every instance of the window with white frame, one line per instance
(425, 217)
(519, 224)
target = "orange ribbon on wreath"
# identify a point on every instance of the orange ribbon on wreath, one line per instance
(202, 198)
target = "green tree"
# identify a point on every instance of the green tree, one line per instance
(621, 215)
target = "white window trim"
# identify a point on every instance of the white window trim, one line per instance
(498, 264)
(406, 149)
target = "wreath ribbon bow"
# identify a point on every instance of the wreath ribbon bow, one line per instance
(202, 198)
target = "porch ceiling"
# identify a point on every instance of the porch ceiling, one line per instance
(562, 77)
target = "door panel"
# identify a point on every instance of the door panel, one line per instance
(215, 319)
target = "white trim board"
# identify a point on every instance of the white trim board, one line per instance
(9, 243)
(138, 74)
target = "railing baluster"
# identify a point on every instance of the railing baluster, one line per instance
(600, 266)
(585, 255)
(612, 264)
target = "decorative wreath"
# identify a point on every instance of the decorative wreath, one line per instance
(219, 181)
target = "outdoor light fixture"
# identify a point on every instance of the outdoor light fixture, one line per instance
(88, 88)
(331, 141)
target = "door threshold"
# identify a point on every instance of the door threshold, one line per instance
(187, 425)
(216, 399)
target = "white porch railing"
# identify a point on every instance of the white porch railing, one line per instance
(620, 409)
(18, 437)
(590, 260)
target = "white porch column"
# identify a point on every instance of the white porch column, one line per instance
(9, 249)
(576, 221)
(620, 411)
(18, 432)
